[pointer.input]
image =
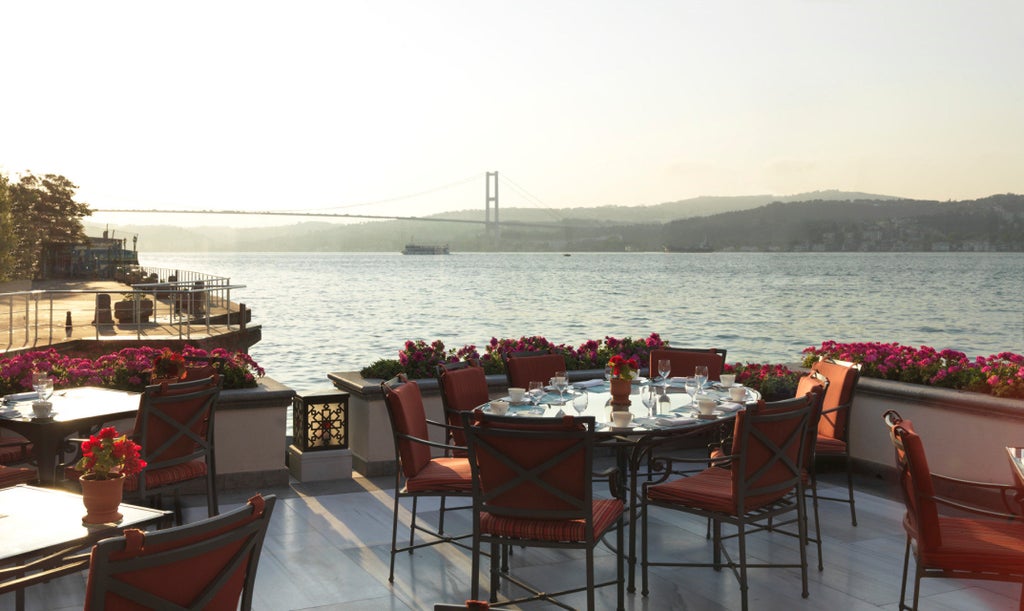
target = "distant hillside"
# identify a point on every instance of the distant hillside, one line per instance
(822, 221)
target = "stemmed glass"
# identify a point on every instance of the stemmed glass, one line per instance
(536, 392)
(579, 402)
(649, 395)
(664, 368)
(43, 385)
(692, 389)
(560, 382)
(701, 373)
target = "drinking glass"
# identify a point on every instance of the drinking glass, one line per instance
(691, 389)
(579, 402)
(664, 368)
(649, 395)
(701, 373)
(536, 392)
(560, 382)
(607, 373)
(43, 385)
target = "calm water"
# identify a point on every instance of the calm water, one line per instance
(341, 311)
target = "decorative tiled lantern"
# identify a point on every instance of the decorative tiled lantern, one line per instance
(320, 421)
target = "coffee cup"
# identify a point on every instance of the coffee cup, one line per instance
(42, 409)
(727, 379)
(622, 419)
(705, 406)
(737, 393)
(516, 394)
(499, 408)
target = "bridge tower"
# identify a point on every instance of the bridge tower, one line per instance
(494, 229)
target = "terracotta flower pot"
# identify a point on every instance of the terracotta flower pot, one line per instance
(101, 498)
(620, 390)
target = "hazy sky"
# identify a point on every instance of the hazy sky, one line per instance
(352, 106)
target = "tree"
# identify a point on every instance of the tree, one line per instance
(7, 236)
(43, 210)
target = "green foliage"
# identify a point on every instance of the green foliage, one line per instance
(383, 369)
(7, 237)
(40, 210)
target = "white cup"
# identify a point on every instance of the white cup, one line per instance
(516, 394)
(621, 419)
(727, 379)
(705, 406)
(737, 393)
(42, 409)
(499, 408)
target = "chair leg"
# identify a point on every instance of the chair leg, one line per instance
(620, 594)
(475, 570)
(742, 534)
(212, 506)
(849, 488)
(394, 540)
(412, 524)
(817, 520)
(590, 578)
(643, 548)
(495, 584)
(440, 519)
(801, 513)
(903, 583)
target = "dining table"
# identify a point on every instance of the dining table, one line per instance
(44, 537)
(672, 416)
(75, 410)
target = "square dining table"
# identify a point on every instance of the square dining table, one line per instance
(44, 537)
(74, 411)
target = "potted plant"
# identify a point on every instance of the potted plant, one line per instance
(168, 366)
(623, 370)
(107, 459)
(124, 310)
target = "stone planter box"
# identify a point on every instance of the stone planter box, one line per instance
(964, 433)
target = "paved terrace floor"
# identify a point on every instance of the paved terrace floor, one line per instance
(328, 544)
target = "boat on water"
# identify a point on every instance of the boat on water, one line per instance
(425, 249)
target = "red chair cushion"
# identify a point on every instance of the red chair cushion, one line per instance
(168, 475)
(683, 361)
(410, 418)
(828, 446)
(15, 449)
(606, 512)
(841, 382)
(11, 476)
(442, 474)
(525, 369)
(464, 389)
(977, 544)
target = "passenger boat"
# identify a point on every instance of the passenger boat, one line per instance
(425, 249)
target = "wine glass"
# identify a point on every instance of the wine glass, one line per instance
(691, 389)
(43, 385)
(560, 382)
(579, 402)
(664, 368)
(649, 395)
(536, 392)
(701, 373)
(607, 373)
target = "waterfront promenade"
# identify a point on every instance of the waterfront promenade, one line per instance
(327, 549)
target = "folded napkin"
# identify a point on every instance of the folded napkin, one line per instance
(588, 383)
(730, 407)
(21, 396)
(675, 421)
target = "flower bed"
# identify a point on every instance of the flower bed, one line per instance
(127, 369)
(1000, 375)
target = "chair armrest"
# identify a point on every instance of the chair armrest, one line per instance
(666, 465)
(432, 444)
(615, 485)
(1010, 495)
(835, 409)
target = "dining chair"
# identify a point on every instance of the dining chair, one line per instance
(175, 427)
(533, 487)
(12, 476)
(419, 474)
(14, 449)
(208, 564)
(765, 468)
(833, 436)
(463, 387)
(951, 537)
(685, 359)
(521, 368)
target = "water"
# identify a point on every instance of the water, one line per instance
(324, 312)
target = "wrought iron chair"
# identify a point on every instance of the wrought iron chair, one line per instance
(833, 437)
(463, 387)
(419, 474)
(209, 564)
(14, 449)
(521, 368)
(533, 487)
(766, 467)
(12, 476)
(685, 359)
(175, 427)
(966, 541)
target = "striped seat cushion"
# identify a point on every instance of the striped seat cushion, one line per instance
(14, 450)
(829, 445)
(156, 477)
(606, 512)
(977, 544)
(444, 474)
(711, 489)
(11, 476)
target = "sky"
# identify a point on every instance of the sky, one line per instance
(401, 107)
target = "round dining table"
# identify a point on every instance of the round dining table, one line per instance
(672, 417)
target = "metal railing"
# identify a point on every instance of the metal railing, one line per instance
(167, 303)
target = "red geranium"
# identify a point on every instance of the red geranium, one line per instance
(106, 454)
(622, 367)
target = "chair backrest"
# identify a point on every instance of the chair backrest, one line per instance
(685, 359)
(521, 368)
(463, 387)
(408, 419)
(771, 450)
(175, 422)
(209, 564)
(532, 468)
(915, 481)
(812, 383)
(842, 380)
(198, 367)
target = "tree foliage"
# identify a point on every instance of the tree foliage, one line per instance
(7, 242)
(38, 210)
